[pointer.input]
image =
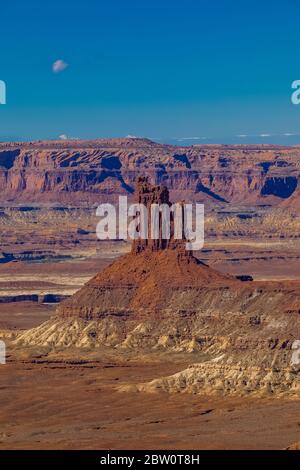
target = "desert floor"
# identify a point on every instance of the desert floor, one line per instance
(77, 406)
(64, 403)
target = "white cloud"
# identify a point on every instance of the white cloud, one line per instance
(59, 66)
(66, 137)
(288, 134)
(264, 135)
(242, 136)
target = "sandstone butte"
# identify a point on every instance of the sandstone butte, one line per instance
(160, 299)
(294, 446)
(85, 172)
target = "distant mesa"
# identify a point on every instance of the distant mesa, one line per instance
(88, 171)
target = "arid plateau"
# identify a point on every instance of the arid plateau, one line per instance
(113, 345)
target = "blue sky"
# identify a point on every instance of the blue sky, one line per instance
(167, 70)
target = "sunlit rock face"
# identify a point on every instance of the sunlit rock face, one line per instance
(161, 299)
(92, 171)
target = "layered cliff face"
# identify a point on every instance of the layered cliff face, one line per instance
(90, 171)
(160, 298)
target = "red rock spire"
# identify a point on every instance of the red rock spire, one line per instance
(147, 195)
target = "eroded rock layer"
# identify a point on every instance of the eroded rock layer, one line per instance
(90, 171)
(165, 300)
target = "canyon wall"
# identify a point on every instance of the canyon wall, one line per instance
(83, 172)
